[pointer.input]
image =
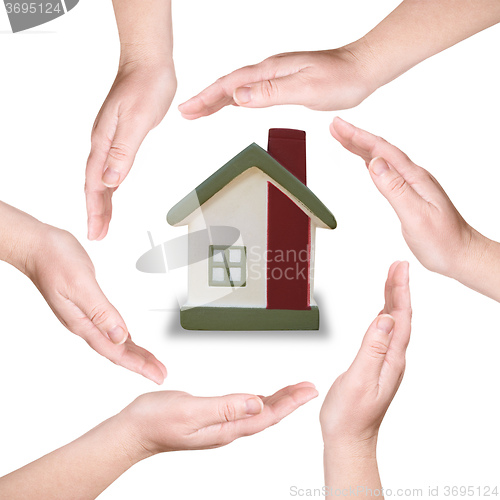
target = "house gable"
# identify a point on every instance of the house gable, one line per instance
(253, 156)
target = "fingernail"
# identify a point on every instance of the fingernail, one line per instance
(117, 334)
(385, 324)
(254, 406)
(243, 95)
(379, 166)
(111, 177)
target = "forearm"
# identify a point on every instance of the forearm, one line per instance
(80, 470)
(478, 266)
(352, 467)
(18, 235)
(145, 29)
(417, 30)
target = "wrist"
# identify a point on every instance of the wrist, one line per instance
(157, 68)
(367, 68)
(42, 244)
(473, 256)
(348, 451)
(347, 444)
(130, 434)
(351, 464)
(145, 54)
(20, 239)
(135, 420)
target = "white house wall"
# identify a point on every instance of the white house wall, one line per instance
(312, 264)
(241, 204)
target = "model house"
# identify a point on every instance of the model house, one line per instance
(258, 274)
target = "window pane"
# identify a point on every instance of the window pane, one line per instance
(218, 274)
(234, 255)
(235, 274)
(218, 256)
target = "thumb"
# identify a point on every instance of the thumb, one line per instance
(371, 356)
(229, 408)
(285, 90)
(94, 304)
(394, 187)
(129, 134)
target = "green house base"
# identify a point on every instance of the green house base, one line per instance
(246, 318)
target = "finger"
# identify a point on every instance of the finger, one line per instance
(276, 407)
(218, 410)
(399, 287)
(98, 196)
(388, 289)
(99, 210)
(393, 370)
(105, 226)
(90, 299)
(286, 90)
(368, 363)
(207, 102)
(128, 354)
(220, 93)
(286, 391)
(130, 132)
(369, 146)
(401, 308)
(151, 368)
(145, 354)
(393, 186)
(252, 86)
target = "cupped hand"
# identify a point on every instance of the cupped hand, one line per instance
(324, 80)
(63, 272)
(171, 421)
(433, 228)
(137, 102)
(358, 400)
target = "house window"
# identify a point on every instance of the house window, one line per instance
(227, 266)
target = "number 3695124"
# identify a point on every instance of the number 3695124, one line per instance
(33, 8)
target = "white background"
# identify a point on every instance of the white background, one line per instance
(442, 428)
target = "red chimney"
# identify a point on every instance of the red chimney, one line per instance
(288, 147)
(288, 228)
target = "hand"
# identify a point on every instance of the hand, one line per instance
(153, 423)
(358, 400)
(137, 102)
(62, 271)
(324, 80)
(171, 420)
(432, 227)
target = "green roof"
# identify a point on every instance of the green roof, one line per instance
(252, 156)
